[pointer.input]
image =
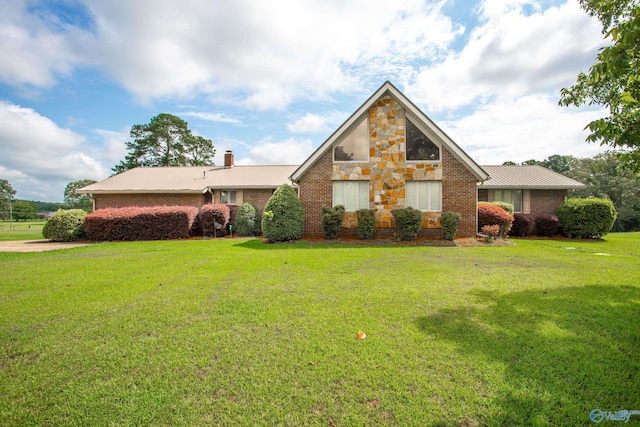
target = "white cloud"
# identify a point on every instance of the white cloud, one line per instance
(310, 123)
(40, 154)
(530, 127)
(211, 117)
(511, 54)
(35, 48)
(261, 55)
(290, 151)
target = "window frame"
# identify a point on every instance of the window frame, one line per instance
(229, 192)
(364, 121)
(416, 202)
(525, 198)
(406, 143)
(362, 185)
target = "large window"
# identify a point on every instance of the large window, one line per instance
(513, 197)
(353, 195)
(228, 196)
(419, 146)
(424, 195)
(355, 147)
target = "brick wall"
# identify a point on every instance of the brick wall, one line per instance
(459, 194)
(258, 197)
(123, 200)
(387, 172)
(315, 192)
(546, 201)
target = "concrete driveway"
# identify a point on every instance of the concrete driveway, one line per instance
(37, 245)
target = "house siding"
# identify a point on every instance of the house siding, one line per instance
(259, 197)
(387, 172)
(546, 201)
(103, 201)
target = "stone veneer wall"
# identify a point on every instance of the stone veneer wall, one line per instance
(149, 199)
(387, 172)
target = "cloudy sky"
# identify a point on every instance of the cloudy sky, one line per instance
(271, 80)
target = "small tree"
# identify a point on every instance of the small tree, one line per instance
(366, 223)
(74, 200)
(24, 211)
(450, 222)
(283, 217)
(6, 197)
(332, 221)
(489, 214)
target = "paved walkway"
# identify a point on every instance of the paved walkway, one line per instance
(37, 245)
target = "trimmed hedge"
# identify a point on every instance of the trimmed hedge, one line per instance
(65, 226)
(587, 218)
(366, 223)
(546, 224)
(248, 220)
(283, 217)
(332, 218)
(213, 219)
(141, 223)
(450, 222)
(408, 222)
(523, 225)
(490, 214)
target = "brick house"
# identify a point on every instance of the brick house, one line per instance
(388, 155)
(190, 186)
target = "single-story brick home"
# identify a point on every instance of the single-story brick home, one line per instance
(387, 155)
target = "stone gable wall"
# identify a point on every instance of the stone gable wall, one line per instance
(387, 172)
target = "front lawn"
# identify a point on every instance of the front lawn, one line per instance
(28, 230)
(237, 332)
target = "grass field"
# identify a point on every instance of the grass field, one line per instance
(236, 332)
(30, 230)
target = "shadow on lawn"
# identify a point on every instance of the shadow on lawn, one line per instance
(561, 352)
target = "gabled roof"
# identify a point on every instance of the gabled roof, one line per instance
(410, 107)
(533, 177)
(192, 179)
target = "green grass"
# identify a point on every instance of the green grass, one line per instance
(30, 230)
(236, 332)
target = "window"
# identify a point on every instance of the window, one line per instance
(353, 195)
(424, 195)
(419, 147)
(355, 147)
(228, 196)
(518, 198)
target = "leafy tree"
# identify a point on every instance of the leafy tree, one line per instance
(78, 201)
(24, 211)
(509, 163)
(560, 164)
(6, 196)
(613, 81)
(165, 141)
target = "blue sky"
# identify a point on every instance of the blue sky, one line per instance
(271, 80)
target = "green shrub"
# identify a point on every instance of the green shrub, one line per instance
(332, 221)
(366, 223)
(248, 220)
(65, 226)
(586, 218)
(450, 222)
(283, 217)
(408, 222)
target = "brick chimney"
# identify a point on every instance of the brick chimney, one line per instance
(228, 159)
